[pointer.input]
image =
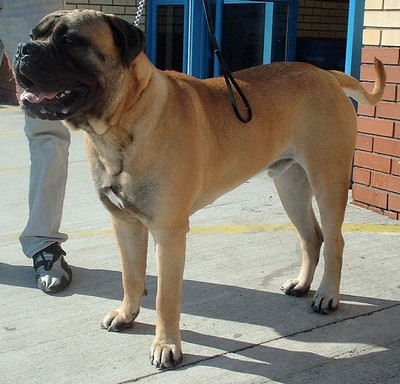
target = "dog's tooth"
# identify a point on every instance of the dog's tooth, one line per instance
(64, 111)
(63, 94)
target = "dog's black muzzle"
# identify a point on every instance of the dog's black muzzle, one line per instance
(49, 94)
(26, 49)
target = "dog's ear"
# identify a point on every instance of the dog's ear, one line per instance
(128, 38)
(46, 25)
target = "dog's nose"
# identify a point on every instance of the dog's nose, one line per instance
(25, 49)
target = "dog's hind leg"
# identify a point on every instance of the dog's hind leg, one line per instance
(296, 196)
(331, 198)
(132, 238)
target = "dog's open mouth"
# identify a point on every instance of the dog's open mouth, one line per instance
(53, 105)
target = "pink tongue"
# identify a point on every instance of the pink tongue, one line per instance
(36, 96)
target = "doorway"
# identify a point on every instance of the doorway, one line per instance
(249, 33)
(326, 33)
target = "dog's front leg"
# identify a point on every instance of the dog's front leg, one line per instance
(132, 238)
(170, 251)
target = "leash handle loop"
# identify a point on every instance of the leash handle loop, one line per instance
(229, 79)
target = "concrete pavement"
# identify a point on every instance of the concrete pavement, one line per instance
(237, 327)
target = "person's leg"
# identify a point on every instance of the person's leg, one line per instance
(48, 144)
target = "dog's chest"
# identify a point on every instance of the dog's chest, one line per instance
(123, 193)
(113, 196)
(121, 187)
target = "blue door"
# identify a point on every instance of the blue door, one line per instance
(167, 34)
(250, 33)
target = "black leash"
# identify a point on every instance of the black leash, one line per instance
(229, 79)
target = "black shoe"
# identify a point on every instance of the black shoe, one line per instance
(53, 273)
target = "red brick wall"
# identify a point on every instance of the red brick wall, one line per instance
(377, 158)
(8, 88)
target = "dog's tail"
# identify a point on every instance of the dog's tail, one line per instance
(353, 88)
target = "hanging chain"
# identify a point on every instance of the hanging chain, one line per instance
(139, 13)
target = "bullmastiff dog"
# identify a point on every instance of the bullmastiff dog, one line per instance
(161, 145)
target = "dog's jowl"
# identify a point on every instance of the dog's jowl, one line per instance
(162, 145)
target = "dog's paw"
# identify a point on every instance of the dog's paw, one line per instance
(165, 355)
(325, 302)
(295, 288)
(116, 321)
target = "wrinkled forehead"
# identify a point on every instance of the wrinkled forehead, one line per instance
(87, 23)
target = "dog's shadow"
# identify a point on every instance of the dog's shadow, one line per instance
(211, 300)
(289, 317)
